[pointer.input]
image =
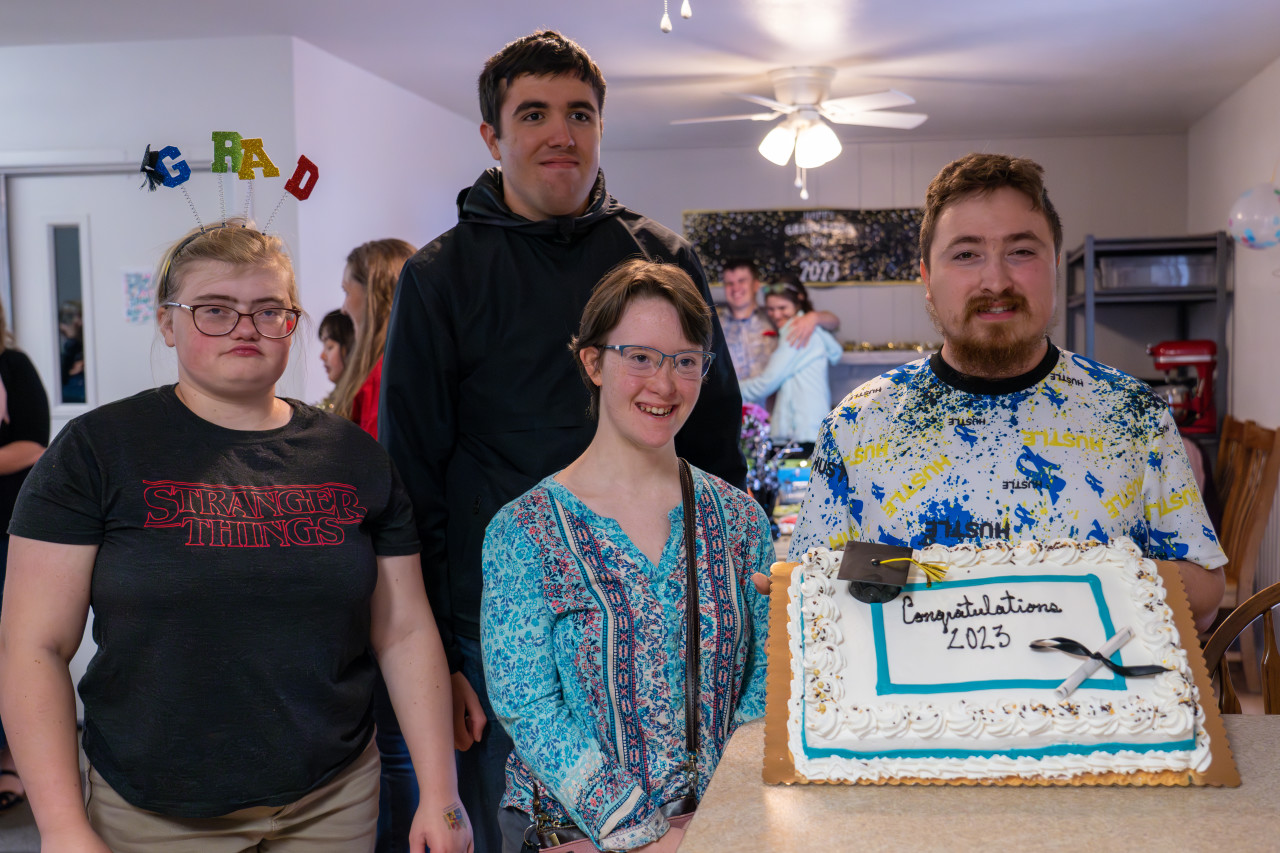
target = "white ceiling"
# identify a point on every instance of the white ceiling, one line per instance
(979, 68)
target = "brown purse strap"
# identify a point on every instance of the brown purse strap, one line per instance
(693, 641)
(692, 655)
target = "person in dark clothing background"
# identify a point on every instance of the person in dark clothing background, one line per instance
(24, 434)
(480, 397)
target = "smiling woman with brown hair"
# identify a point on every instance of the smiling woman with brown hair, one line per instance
(591, 662)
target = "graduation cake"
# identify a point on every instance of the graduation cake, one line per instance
(983, 675)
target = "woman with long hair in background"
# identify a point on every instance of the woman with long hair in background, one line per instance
(369, 282)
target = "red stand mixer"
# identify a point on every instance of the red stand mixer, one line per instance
(1193, 410)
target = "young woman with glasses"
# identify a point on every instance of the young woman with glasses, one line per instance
(798, 375)
(247, 558)
(583, 615)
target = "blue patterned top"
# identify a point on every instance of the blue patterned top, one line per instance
(584, 653)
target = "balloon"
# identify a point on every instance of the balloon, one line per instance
(1254, 220)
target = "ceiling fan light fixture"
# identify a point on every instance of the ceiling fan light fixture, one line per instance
(816, 144)
(778, 143)
(686, 11)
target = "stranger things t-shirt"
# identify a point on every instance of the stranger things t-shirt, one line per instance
(231, 596)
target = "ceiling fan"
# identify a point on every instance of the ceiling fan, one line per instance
(800, 94)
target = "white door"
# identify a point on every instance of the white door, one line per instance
(119, 232)
(122, 232)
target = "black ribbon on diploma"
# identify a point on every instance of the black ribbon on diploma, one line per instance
(1071, 647)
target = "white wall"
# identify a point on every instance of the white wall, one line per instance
(1234, 147)
(391, 165)
(1124, 186)
(105, 103)
(122, 96)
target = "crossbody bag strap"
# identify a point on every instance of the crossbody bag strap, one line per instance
(693, 642)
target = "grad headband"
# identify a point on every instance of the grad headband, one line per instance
(244, 156)
(167, 167)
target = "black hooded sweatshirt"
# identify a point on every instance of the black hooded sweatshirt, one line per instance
(481, 398)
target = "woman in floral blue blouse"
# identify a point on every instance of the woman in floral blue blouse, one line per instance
(583, 616)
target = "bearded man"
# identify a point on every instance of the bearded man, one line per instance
(1002, 435)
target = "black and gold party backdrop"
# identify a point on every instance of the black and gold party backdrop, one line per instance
(822, 247)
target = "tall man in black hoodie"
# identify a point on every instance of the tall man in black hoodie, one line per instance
(480, 397)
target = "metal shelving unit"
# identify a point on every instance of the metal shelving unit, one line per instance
(1087, 294)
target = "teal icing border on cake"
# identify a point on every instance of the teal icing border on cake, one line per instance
(1058, 750)
(885, 685)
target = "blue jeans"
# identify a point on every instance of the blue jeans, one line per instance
(482, 769)
(397, 794)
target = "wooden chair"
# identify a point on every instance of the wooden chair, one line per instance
(1215, 651)
(1255, 469)
(1228, 455)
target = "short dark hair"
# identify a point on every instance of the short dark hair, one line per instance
(545, 53)
(739, 263)
(337, 327)
(982, 174)
(628, 281)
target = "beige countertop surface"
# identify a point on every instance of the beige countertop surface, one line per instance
(742, 814)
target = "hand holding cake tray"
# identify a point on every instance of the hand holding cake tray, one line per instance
(940, 683)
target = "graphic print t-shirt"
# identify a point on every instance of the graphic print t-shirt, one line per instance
(230, 595)
(1075, 449)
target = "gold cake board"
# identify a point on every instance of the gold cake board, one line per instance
(779, 769)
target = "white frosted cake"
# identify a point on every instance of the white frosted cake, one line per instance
(941, 683)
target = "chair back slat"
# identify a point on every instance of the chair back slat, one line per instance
(1228, 632)
(1270, 666)
(1228, 454)
(1255, 471)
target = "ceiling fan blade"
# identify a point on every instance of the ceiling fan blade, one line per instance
(743, 117)
(878, 118)
(777, 106)
(875, 101)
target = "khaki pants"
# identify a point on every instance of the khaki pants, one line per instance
(340, 817)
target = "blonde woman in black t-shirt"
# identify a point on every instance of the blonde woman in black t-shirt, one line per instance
(247, 558)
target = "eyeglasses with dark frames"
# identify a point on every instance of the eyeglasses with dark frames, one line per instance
(646, 361)
(218, 320)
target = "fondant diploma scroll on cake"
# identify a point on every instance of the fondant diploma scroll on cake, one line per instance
(942, 683)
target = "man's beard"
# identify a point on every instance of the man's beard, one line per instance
(998, 353)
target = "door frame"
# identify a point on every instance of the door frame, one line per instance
(47, 163)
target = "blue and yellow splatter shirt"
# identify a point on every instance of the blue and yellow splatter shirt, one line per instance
(1074, 448)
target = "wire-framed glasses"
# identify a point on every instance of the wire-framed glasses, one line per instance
(646, 361)
(218, 320)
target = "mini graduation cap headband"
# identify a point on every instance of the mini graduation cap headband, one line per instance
(245, 156)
